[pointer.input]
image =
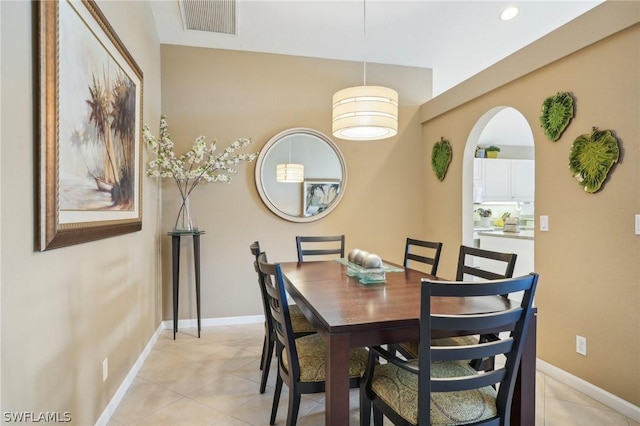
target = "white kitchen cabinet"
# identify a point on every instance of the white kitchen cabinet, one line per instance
(523, 177)
(478, 169)
(478, 180)
(504, 180)
(497, 180)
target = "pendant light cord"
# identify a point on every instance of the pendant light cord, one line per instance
(364, 37)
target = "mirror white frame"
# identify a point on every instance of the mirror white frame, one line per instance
(325, 172)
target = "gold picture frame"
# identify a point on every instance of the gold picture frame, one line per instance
(89, 154)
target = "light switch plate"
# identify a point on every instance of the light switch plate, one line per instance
(544, 223)
(638, 224)
(105, 369)
(581, 345)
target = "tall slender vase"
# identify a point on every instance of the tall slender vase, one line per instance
(185, 221)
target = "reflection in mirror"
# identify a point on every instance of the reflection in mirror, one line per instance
(325, 175)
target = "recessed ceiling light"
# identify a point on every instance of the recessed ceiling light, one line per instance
(509, 13)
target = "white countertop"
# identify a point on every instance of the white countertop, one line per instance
(484, 228)
(525, 234)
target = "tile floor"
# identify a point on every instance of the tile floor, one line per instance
(214, 380)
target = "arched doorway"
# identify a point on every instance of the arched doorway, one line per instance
(506, 128)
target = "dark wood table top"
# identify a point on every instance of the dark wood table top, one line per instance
(343, 304)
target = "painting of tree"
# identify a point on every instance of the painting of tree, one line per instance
(112, 112)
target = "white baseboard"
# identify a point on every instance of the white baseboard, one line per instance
(208, 322)
(610, 400)
(126, 383)
(165, 325)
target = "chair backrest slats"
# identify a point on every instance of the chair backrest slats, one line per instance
(279, 309)
(511, 323)
(504, 263)
(468, 382)
(429, 253)
(478, 288)
(477, 322)
(324, 246)
(481, 350)
(255, 250)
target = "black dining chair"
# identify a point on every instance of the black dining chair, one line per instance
(473, 264)
(440, 387)
(302, 360)
(496, 265)
(319, 247)
(424, 252)
(299, 323)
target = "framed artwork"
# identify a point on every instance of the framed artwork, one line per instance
(90, 127)
(318, 194)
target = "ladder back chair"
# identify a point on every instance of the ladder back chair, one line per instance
(300, 325)
(302, 360)
(319, 247)
(440, 387)
(495, 266)
(426, 252)
(501, 265)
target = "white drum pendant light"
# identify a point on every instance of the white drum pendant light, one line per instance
(365, 112)
(289, 172)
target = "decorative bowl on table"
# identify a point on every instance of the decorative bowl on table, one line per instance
(368, 270)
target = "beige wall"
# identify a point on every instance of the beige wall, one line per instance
(225, 95)
(589, 260)
(66, 310)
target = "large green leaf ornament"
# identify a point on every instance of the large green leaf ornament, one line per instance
(556, 114)
(441, 157)
(591, 158)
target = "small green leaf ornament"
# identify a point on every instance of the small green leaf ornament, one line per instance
(441, 157)
(556, 114)
(591, 158)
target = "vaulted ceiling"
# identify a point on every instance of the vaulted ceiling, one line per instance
(456, 39)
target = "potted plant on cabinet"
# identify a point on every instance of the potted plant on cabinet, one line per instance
(492, 151)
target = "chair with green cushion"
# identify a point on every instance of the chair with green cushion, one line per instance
(426, 253)
(474, 264)
(495, 266)
(301, 326)
(319, 247)
(439, 387)
(302, 360)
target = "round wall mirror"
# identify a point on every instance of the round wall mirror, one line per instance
(315, 189)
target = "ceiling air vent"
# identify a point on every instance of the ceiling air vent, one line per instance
(216, 16)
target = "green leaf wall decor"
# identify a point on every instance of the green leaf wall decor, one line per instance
(441, 157)
(556, 114)
(591, 158)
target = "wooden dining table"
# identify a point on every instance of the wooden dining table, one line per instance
(347, 313)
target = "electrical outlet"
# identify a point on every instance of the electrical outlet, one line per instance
(638, 224)
(105, 369)
(581, 345)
